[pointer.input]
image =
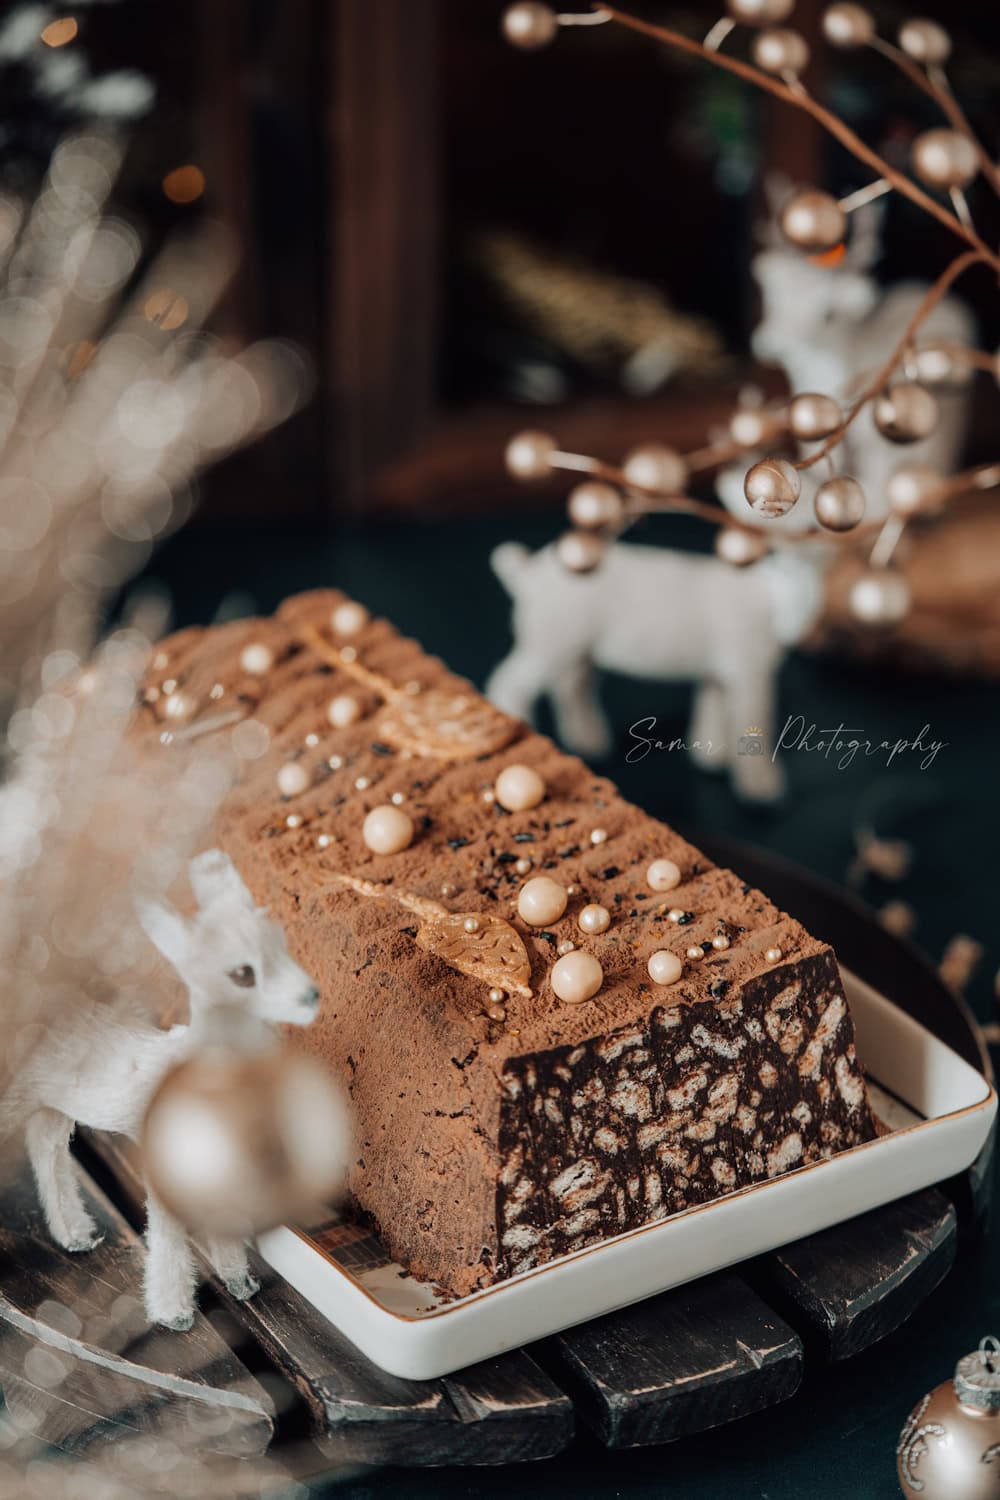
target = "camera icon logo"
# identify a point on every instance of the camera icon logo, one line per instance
(752, 742)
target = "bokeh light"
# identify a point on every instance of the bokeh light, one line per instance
(184, 184)
(59, 33)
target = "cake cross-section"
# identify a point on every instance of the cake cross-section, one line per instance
(558, 1021)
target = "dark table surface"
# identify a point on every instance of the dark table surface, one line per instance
(837, 1436)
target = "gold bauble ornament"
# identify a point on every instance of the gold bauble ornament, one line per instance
(879, 597)
(654, 466)
(925, 41)
(760, 12)
(813, 416)
(913, 488)
(840, 503)
(949, 1448)
(780, 51)
(528, 455)
(739, 548)
(238, 1141)
(848, 25)
(529, 25)
(905, 413)
(580, 551)
(813, 221)
(772, 487)
(594, 505)
(944, 159)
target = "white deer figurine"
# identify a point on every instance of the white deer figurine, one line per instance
(102, 1062)
(653, 613)
(665, 616)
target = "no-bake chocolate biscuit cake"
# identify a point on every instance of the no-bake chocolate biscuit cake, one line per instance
(498, 1124)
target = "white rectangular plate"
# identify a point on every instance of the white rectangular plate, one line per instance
(939, 1111)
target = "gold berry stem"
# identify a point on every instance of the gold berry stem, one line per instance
(653, 501)
(880, 380)
(830, 122)
(946, 102)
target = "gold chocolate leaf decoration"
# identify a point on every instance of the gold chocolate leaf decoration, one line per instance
(435, 723)
(492, 951)
(448, 726)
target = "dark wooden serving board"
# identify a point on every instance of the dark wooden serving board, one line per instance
(79, 1363)
(680, 1363)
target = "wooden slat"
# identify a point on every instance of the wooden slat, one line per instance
(851, 1285)
(79, 1364)
(972, 1192)
(502, 1411)
(679, 1363)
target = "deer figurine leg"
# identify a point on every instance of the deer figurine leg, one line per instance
(580, 721)
(229, 1257)
(170, 1274)
(709, 737)
(47, 1137)
(518, 682)
(750, 700)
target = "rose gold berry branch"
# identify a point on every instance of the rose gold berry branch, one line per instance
(950, 274)
(829, 121)
(653, 477)
(980, 252)
(649, 500)
(946, 102)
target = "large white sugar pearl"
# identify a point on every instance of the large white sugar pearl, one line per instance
(541, 901)
(519, 788)
(343, 710)
(387, 829)
(257, 658)
(664, 967)
(349, 618)
(663, 875)
(293, 778)
(577, 977)
(594, 919)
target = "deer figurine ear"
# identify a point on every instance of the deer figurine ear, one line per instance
(165, 928)
(214, 877)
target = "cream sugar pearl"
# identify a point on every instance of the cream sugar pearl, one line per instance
(349, 618)
(541, 901)
(577, 977)
(292, 778)
(178, 706)
(663, 875)
(343, 710)
(664, 967)
(594, 919)
(387, 829)
(256, 658)
(519, 788)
